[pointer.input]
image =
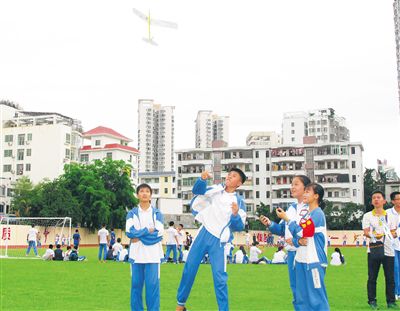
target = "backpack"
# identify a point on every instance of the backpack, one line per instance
(73, 256)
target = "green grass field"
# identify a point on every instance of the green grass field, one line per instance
(90, 285)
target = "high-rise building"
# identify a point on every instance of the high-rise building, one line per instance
(263, 139)
(155, 136)
(36, 145)
(211, 127)
(396, 8)
(323, 124)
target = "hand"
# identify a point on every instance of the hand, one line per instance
(205, 175)
(282, 214)
(303, 241)
(151, 230)
(265, 220)
(235, 209)
(289, 241)
(378, 236)
(135, 240)
(394, 233)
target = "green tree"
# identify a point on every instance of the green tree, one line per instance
(263, 209)
(21, 202)
(369, 186)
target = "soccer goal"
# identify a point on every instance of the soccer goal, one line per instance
(29, 237)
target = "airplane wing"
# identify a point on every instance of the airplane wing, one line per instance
(157, 22)
(140, 14)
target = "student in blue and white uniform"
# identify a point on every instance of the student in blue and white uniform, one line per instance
(311, 259)
(221, 211)
(395, 210)
(295, 211)
(144, 226)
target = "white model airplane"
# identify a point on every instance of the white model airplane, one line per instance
(152, 21)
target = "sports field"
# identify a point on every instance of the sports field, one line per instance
(90, 285)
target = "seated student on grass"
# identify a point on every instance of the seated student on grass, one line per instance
(241, 256)
(74, 256)
(337, 258)
(110, 253)
(254, 252)
(280, 257)
(117, 247)
(49, 255)
(67, 253)
(58, 253)
(123, 254)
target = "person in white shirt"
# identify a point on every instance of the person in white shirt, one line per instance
(103, 238)
(240, 256)
(337, 259)
(395, 210)
(247, 239)
(254, 252)
(181, 240)
(381, 227)
(228, 251)
(67, 253)
(172, 242)
(280, 256)
(117, 247)
(123, 253)
(31, 238)
(221, 211)
(185, 253)
(145, 228)
(49, 255)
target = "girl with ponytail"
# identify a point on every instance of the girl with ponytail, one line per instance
(311, 259)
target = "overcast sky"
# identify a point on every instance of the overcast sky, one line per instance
(251, 60)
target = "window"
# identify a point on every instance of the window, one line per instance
(7, 153)
(20, 154)
(29, 138)
(353, 164)
(7, 168)
(109, 155)
(267, 180)
(165, 190)
(20, 169)
(97, 142)
(165, 179)
(329, 194)
(28, 152)
(354, 178)
(292, 124)
(267, 194)
(267, 154)
(257, 194)
(67, 138)
(257, 154)
(67, 153)
(21, 139)
(84, 158)
(293, 132)
(130, 158)
(8, 138)
(354, 192)
(257, 167)
(336, 194)
(257, 181)
(353, 150)
(292, 139)
(28, 167)
(267, 167)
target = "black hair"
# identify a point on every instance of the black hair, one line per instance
(243, 176)
(103, 224)
(171, 223)
(68, 247)
(75, 247)
(119, 240)
(76, 230)
(186, 248)
(141, 186)
(112, 229)
(126, 246)
(304, 179)
(377, 191)
(58, 246)
(255, 243)
(181, 225)
(51, 246)
(280, 247)
(317, 189)
(243, 250)
(32, 225)
(337, 249)
(110, 247)
(393, 195)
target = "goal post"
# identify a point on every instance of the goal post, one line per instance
(15, 230)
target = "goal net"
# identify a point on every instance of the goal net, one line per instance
(20, 240)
